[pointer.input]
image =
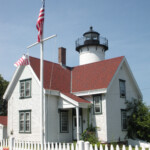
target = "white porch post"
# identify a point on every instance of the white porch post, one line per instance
(77, 120)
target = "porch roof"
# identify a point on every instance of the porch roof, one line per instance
(76, 98)
(72, 101)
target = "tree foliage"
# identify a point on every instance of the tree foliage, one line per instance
(138, 120)
(3, 103)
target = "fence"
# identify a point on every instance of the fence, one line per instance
(81, 145)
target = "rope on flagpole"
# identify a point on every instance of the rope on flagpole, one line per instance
(52, 68)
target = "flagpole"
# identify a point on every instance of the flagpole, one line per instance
(41, 92)
(42, 98)
(42, 78)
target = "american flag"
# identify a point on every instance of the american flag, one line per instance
(24, 60)
(39, 24)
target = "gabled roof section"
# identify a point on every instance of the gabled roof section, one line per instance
(3, 120)
(85, 77)
(95, 75)
(56, 77)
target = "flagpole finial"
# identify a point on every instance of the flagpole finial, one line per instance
(43, 2)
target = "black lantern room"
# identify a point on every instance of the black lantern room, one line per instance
(91, 38)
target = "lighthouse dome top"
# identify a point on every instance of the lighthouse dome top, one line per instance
(91, 33)
(91, 38)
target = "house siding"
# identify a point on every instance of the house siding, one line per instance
(15, 104)
(53, 121)
(84, 118)
(67, 137)
(97, 120)
(5, 132)
(115, 103)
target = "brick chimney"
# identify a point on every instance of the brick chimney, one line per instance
(62, 56)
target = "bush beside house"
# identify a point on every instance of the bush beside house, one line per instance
(139, 120)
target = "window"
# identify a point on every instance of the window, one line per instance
(97, 104)
(64, 121)
(25, 88)
(122, 88)
(25, 121)
(124, 119)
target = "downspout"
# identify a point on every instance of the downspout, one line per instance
(71, 83)
(77, 120)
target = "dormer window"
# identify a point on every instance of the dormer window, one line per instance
(122, 88)
(25, 88)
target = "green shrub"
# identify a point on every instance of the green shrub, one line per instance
(138, 120)
(89, 135)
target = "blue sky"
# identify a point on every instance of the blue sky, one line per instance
(126, 25)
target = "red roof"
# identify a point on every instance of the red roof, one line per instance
(3, 120)
(56, 77)
(92, 76)
(95, 75)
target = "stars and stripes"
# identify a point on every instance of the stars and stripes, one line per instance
(24, 60)
(40, 23)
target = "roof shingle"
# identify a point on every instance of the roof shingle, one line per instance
(56, 77)
(95, 75)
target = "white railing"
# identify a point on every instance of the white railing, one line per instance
(81, 145)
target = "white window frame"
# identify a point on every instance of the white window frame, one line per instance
(122, 85)
(24, 89)
(21, 121)
(124, 119)
(64, 121)
(24, 121)
(97, 105)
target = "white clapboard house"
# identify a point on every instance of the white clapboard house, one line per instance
(96, 92)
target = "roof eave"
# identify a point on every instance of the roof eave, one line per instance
(91, 92)
(135, 82)
(7, 92)
(51, 92)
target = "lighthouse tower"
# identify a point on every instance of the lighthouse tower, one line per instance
(91, 47)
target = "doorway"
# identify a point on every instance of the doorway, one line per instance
(75, 127)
